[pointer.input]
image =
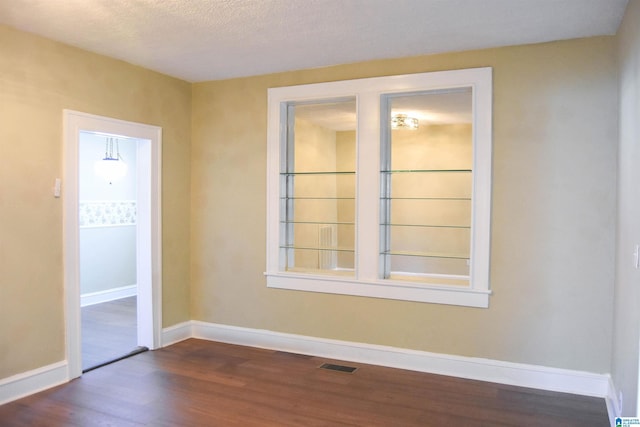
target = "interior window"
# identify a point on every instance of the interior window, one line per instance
(426, 191)
(381, 187)
(318, 187)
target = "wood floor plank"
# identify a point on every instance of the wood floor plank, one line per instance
(202, 383)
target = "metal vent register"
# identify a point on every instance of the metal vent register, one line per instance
(339, 368)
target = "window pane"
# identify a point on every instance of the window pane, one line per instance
(422, 269)
(431, 212)
(321, 185)
(427, 176)
(318, 188)
(434, 241)
(443, 137)
(432, 184)
(329, 211)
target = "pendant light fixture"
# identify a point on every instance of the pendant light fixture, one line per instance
(111, 168)
(402, 121)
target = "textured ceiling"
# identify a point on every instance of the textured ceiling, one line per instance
(199, 40)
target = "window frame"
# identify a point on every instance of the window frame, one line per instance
(369, 138)
(388, 200)
(289, 174)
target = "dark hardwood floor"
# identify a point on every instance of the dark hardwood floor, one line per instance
(202, 383)
(108, 331)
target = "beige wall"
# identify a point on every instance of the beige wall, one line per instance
(552, 259)
(627, 290)
(38, 79)
(555, 135)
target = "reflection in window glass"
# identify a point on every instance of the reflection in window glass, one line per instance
(426, 175)
(318, 188)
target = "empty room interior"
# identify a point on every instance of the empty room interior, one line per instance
(440, 189)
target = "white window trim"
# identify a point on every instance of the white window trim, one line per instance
(367, 282)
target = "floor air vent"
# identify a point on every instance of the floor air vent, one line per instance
(339, 368)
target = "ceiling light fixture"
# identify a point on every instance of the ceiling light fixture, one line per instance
(111, 168)
(402, 121)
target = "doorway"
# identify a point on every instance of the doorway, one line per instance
(107, 177)
(145, 146)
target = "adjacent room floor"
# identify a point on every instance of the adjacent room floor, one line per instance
(108, 331)
(203, 383)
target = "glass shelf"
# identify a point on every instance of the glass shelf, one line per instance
(464, 199)
(324, 272)
(316, 198)
(426, 254)
(426, 225)
(317, 222)
(427, 171)
(316, 248)
(319, 173)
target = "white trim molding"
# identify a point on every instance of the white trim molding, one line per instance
(148, 227)
(517, 374)
(176, 333)
(34, 381)
(372, 269)
(613, 399)
(107, 295)
(396, 290)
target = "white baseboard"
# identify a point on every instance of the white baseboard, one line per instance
(523, 375)
(612, 399)
(177, 333)
(26, 383)
(108, 295)
(518, 374)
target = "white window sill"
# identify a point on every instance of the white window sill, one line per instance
(389, 289)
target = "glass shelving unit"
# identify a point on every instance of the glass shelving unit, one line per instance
(318, 222)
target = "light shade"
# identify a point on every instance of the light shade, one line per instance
(110, 169)
(402, 121)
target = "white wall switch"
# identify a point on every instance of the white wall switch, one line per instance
(56, 188)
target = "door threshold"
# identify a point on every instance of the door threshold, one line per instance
(133, 352)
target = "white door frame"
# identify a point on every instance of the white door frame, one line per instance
(149, 228)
